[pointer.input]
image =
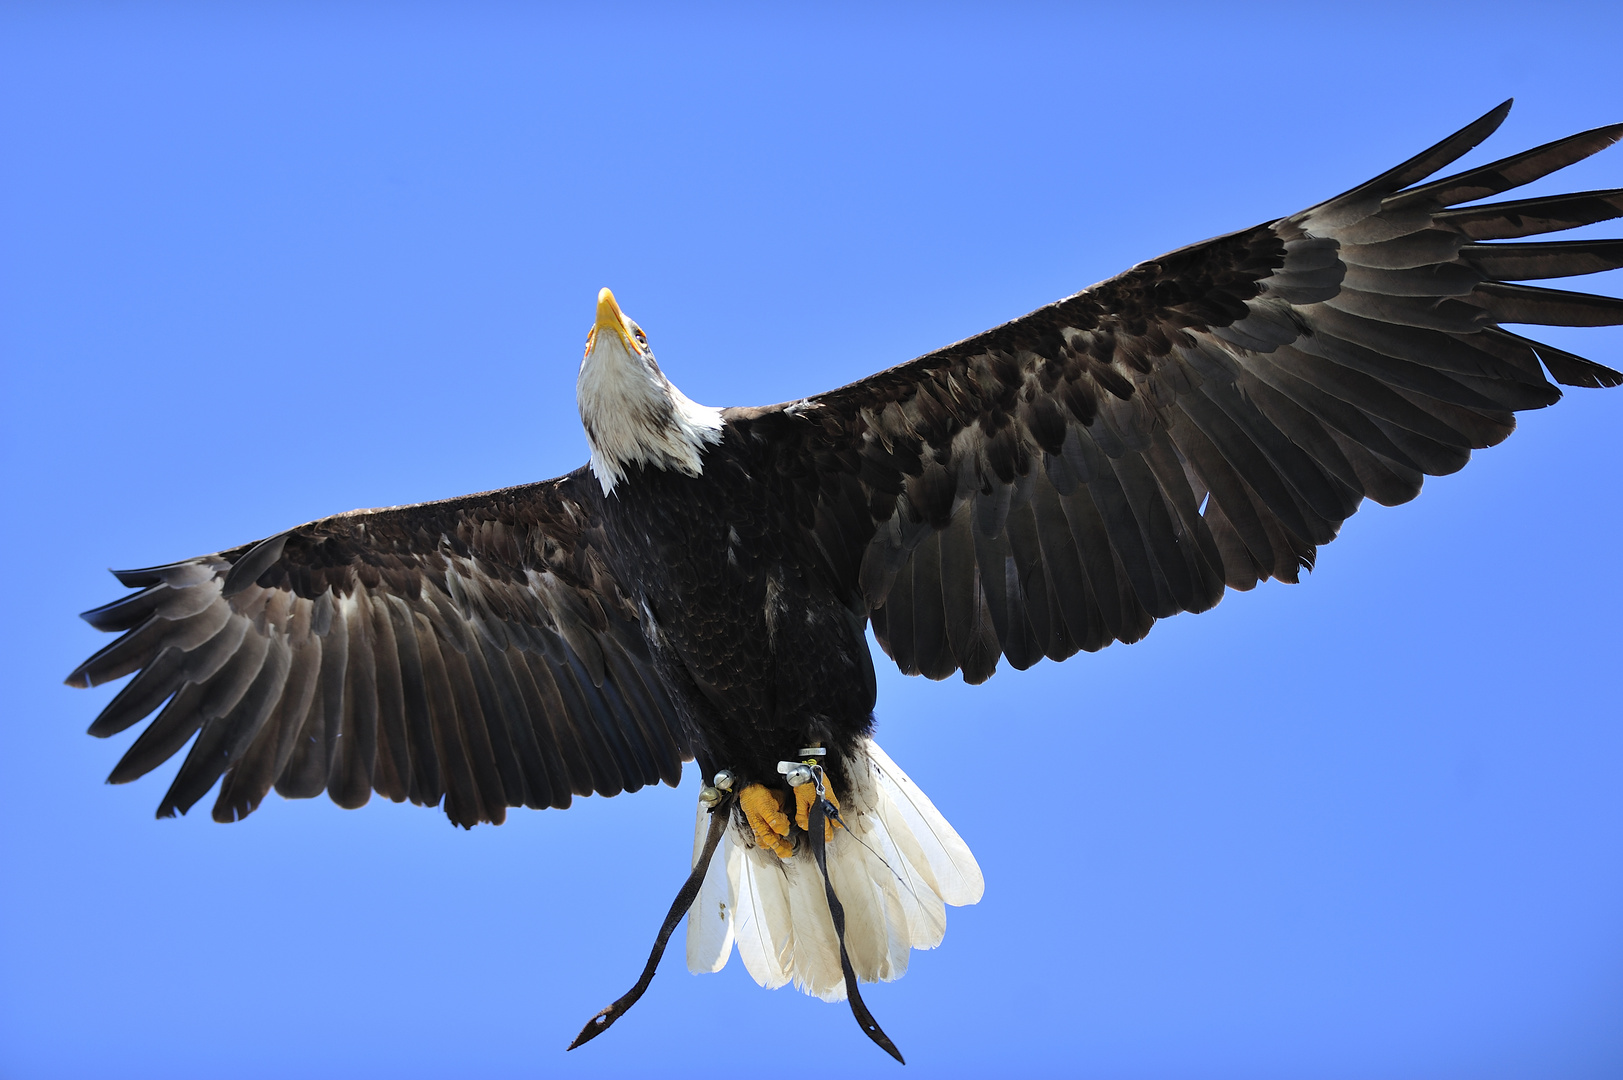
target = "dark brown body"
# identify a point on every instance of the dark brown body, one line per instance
(761, 648)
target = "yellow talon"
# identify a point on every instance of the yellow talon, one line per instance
(805, 795)
(765, 815)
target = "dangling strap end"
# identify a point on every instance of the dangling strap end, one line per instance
(600, 1023)
(859, 1009)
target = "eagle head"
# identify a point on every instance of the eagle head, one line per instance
(632, 413)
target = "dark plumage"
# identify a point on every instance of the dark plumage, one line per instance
(1201, 422)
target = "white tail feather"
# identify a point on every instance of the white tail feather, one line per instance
(762, 921)
(710, 919)
(814, 957)
(953, 867)
(895, 867)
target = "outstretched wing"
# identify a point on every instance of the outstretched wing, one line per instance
(476, 649)
(1205, 419)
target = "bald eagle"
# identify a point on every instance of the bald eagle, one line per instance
(702, 588)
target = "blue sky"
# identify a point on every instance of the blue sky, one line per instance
(264, 265)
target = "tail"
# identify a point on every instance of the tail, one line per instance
(894, 867)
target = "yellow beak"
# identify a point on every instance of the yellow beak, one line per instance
(608, 315)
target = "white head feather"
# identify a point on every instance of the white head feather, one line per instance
(632, 413)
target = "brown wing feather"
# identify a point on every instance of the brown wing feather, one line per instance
(475, 651)
(1206, 419)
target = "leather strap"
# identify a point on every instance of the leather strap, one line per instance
(865, 1020)
(598, 1024)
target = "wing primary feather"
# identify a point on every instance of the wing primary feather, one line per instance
(1174, 578)
(176, 575)
(1350, 401)
(1300, 426)
(293, 719)
(1477, 428)
(1021, 644)
(354, 753)
(1077, 605)
(549, 746)
(603, 714)
(225, 739)
(252, 563)
(305, 774)
(167, 733)
(1097, 560)
(456, 772)
(1383, 479)
(426, 784)
(1350, 346)
(1029, 585)
(1317, 493)
(1353, 205)
(497, 724)
(392, 774)
(1546, 259)
(991, 553)
(1510, 172)
(1122, 527)
(137, 648)
(248, 781)
(1206, 565)
(935, 659)
(128, 612)
(334, 669)
(1547, 307)
(1230, 494)
(1252, 466)
(489, 801)
(1529, 217)
(647, 713)
(578, 712)
(1566, 368)
(533, 780)
(636, 763)
(151, 687)
(899, 639)
(969, 635)
(225, 686)
(576, 753)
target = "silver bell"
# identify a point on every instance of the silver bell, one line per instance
(725, 780)
(710, 796)
(798, 774)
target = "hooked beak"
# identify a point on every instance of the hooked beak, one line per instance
(608, 316)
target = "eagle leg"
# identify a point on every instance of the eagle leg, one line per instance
(764, 812)
(805, 795)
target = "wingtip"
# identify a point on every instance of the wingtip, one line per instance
(254, 562)
(1491, 119)
(89, 615)
(137, 579)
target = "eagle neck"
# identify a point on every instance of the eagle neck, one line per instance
(634, 415)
